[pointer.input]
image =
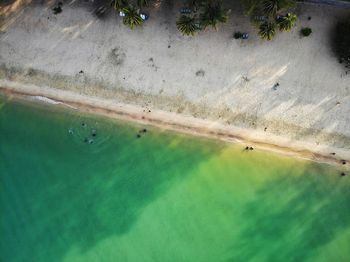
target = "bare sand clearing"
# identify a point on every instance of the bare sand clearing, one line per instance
(210, 84)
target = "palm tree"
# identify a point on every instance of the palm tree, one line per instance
(120, 4)
(286, 23)
(267, 30)
(250, 7)
(132, 17)
(213, 13)
(142, 3)
(186, 25)
(271, 7)
(194, 4)
(263, 14)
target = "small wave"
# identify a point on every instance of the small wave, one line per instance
(46, 100)
(51, 101)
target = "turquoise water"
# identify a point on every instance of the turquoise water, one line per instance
(160, 197)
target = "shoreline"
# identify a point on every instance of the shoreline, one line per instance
(210, 85)
(179, 123)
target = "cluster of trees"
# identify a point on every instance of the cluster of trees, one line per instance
(269, 16)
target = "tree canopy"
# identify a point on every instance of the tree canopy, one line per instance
(269, 16)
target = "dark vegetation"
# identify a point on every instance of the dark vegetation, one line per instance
(200, 15)
(57, 9)
(306, 31)
(269, 16)
(341, 41)
(131, 11)
(187, 25)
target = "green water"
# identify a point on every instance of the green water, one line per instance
(160, 197)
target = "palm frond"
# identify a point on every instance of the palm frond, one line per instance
(285, 4)
(143, 3)
(267, 30)
(120, 4)
(270, 7)
(194, 3)
(250, 7)
(186, 25)
(213, 14)
(286, 23)
(132, 17)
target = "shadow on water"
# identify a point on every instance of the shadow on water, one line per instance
(292, 217)
(64, 199)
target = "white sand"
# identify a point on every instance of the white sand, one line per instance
(226, 82)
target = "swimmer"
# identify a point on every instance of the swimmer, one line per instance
(86, 139)
(93, 132)
(138, 135)
(70, 131)
(91, 141)
(83, 124)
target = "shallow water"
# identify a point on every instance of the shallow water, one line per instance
(160, 197)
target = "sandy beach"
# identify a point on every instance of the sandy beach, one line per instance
(209, 85)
